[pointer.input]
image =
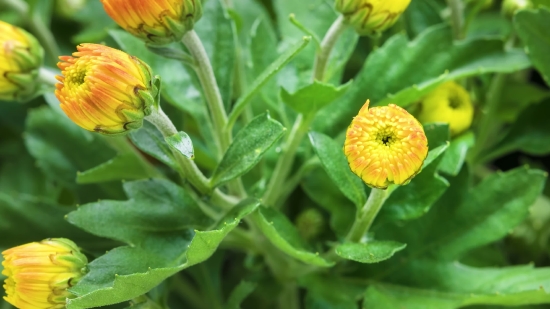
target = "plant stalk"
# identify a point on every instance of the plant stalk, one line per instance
(327, 45)
(366, 215)
(457, 18)
(46, 76)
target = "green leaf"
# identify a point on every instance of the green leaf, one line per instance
(151, 141)
(516, 97)
(280, 231)
(336, 165)
(454, 157)
(61, 148)
(135, 221)
(181, 142)
(125, 166)
(247, 149)
(312, 98)
(407, 78)
(532, 27)
(127, 272)
(217, 32)
(239, 294)
(370, 252)
(330, 292)
(529, 133)
(266, 75)
(422, 14)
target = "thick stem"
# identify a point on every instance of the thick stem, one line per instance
(330, 39)
(366, 215)
(457, 18)
(189, 169)
(211, 90)
(284, 164)
(47, 76)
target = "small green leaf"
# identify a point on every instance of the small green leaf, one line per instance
(239, 294)
(454, 157)
(181, 142)
(532, 27)
(247, 149)
(313, 97)
(128, 272)
(125, 166)
(150, 140)
(280, 231)
(370, 252)
(336, 165)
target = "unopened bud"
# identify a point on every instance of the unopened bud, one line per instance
(371, 17)
(510, 7)
(310, 223)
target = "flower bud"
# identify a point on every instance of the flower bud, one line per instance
(157, 22)
(310, 223)
(68, 8)
(448, 103)
(20, 59)
(39, 273)
(385, 145)
(509, 7)
(371, 17)
(105, 90)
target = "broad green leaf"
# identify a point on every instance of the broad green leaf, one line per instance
(265, 76)
(529, 133)
(122, 167)
(181, 142)
(150, 140)
(322, 190)
(95, 23)
(217, 33)
(422, 14)
(370, 252)
(127, 272)
(247, 149)
(330, 292)
(61, 148)
(516, 97)
(336, 165)
(464, 219)
(280, 231)
(490, 24)
(438, 134)
(239, 294)
(312, 98)
(532, 27)
(157, 208)
(407, 78)
(454, 157)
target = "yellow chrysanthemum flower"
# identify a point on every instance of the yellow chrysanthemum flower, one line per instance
(371, 17)
(156, 22)
(20, 59)
(39, 273)
(385, 145)
(105, 90)
(448, 103)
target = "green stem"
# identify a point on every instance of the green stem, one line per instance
(284, 164)
(188, 292)
(295, 179)
(366, 215)
(289, 297)
(457, 18)
(327, 45)
(211, 90)
(189, 169)
(46, 76)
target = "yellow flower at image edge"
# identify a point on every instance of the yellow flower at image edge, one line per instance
(20, 59)
(448, 103)
(371, 17)
(105, 90)
(156, 22)
(385, 145)
(39, 273)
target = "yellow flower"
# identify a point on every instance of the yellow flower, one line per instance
(371, 17)
(39, 273)
(156, 22)
(20, 59)
(448, 103)
(385, 145)
(105, 90)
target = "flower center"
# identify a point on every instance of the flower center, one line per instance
(386, 137)
(454, 102)
(76, 75)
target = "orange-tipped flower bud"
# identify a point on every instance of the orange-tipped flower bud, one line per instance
(20, 58)
(371, 17)
(448, 103)
(105, 90)
(39, 273)
(157, 22)
(385, 145)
